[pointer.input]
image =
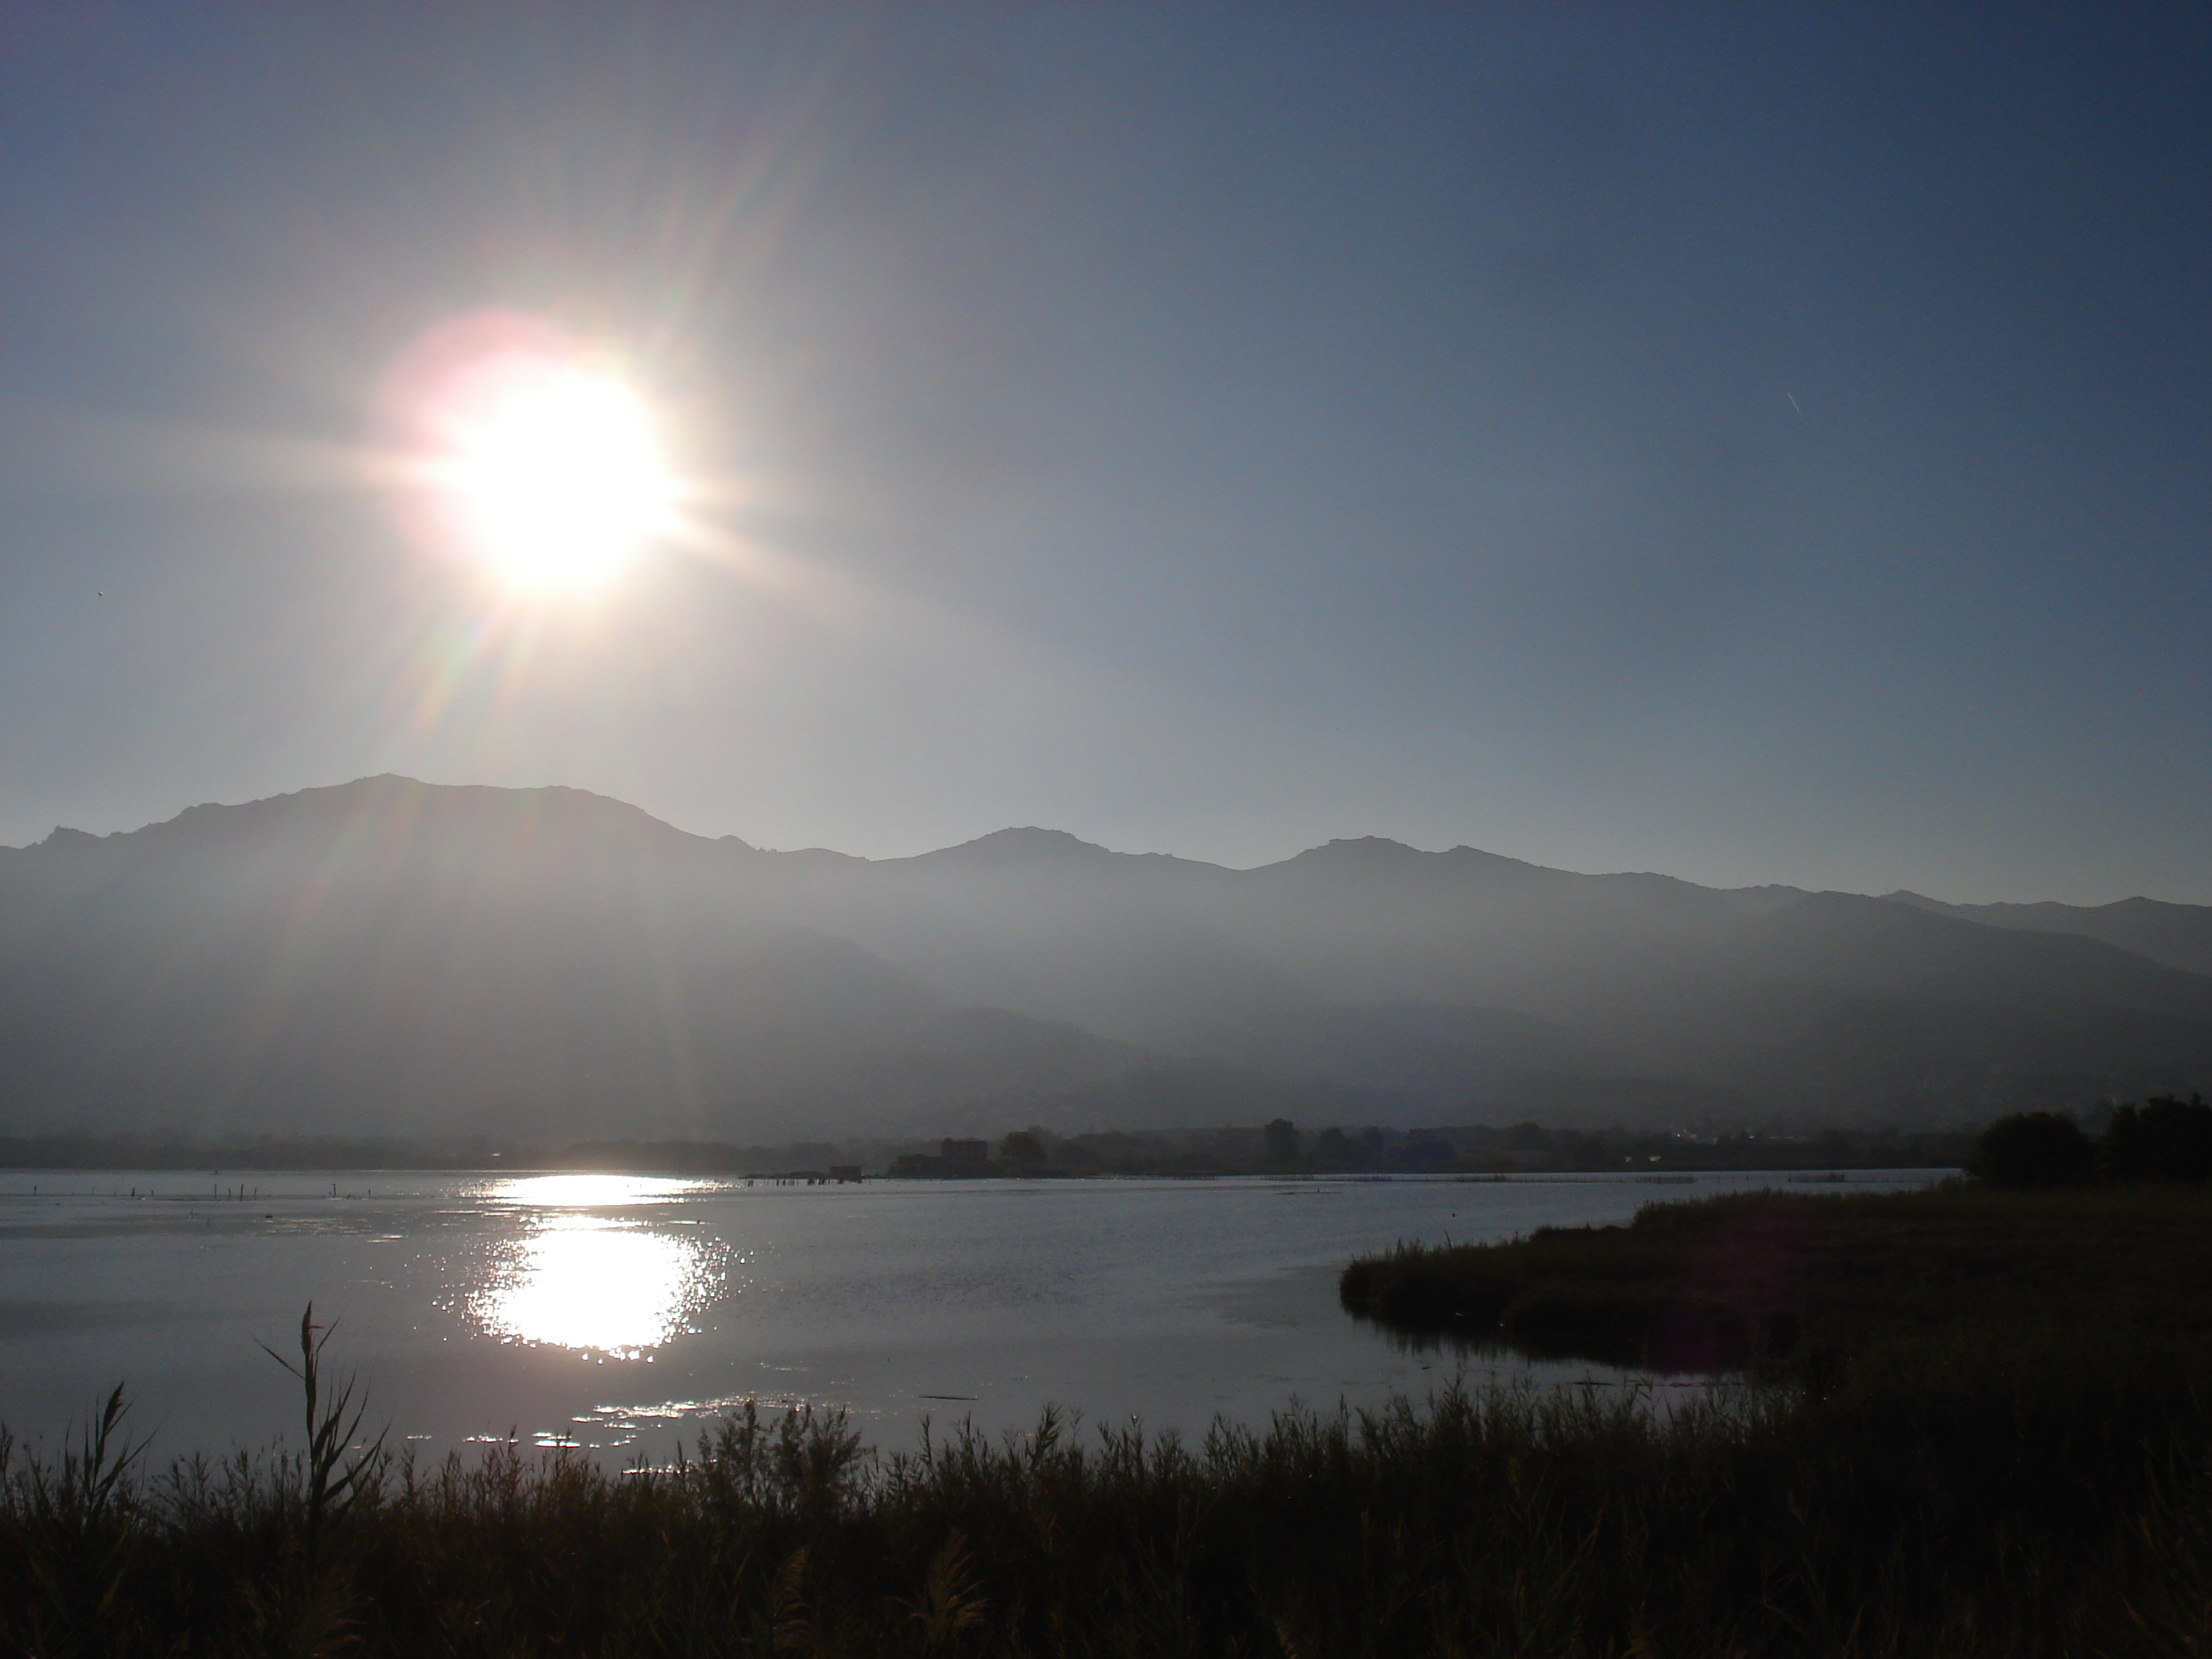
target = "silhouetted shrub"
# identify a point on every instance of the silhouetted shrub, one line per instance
(2034, 1149)
(2166, 1138)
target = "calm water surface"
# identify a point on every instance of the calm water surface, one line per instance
(619, 1312)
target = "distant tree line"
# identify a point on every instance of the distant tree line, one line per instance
(2166, 1138)
(157, 1150)
(1531, 1148)
(1281, 1148)
(1278, 1146)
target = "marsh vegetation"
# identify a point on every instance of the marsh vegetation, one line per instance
(2044, 1496)
(1971, 1371)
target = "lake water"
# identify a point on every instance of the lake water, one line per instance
(621, 1312)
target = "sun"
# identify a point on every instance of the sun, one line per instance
(535, 458)
(553, 472)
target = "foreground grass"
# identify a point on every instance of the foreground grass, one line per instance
(1486, 1523)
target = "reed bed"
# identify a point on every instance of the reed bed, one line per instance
(1787, 1281)
(1959, 1513)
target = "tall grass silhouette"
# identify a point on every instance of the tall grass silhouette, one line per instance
(1969, 1510)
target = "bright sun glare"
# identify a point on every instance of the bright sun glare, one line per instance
(545, 464)
(557, 476)
(589, 1282)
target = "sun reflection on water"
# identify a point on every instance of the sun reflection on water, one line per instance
(600, 1284)
(567, 1192)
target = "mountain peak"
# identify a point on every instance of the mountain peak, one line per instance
(1379, 854)
(1363, 849)
(1028, 845)
(393, 813)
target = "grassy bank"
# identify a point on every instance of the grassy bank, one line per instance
(2014, 1361)
(1962, 1515)
(1502, 1525)
(1798, 1282)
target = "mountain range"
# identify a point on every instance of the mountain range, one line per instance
(395, 957)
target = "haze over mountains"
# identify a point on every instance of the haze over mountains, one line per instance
(392, 958)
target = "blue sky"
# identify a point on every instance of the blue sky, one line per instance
(1759, 444)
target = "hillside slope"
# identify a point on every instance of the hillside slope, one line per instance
(399, 958)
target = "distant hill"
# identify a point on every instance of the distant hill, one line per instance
(2179, 935)
(394, 957)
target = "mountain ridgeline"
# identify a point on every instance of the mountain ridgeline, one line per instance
(394, 957)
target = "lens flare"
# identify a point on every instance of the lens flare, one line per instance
(529, 455)
(558, 478)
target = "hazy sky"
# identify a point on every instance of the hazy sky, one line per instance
(1759, 444)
